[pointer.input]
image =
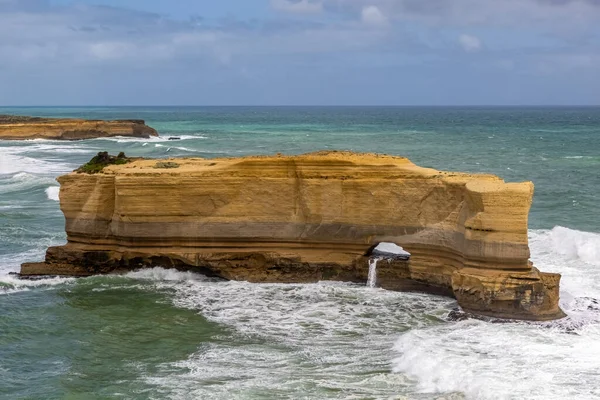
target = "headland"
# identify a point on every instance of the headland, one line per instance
(14, 127)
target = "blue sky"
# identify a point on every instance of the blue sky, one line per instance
(297, 52)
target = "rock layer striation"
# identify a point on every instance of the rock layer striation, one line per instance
(21, 128)
(308, 218)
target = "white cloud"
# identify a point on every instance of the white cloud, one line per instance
(555, 16)
(73, 37)
(298, 7)
(110, 50)
(372, 15)
(470, 43)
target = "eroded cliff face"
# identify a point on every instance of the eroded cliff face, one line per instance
(22, 128)
(308, 218)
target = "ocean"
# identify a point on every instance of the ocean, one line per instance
(162, 334)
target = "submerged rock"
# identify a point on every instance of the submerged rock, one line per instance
(308, 218)
(14, 127)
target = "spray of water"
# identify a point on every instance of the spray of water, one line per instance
(372, 279)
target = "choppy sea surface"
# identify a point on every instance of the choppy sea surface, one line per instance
(161, 334)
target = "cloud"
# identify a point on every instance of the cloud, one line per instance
(372, 15)
(77, 36)
(110, 50)
(298, 6)
(550, 15)
(423, 38)
(470, 43)
(80, 35)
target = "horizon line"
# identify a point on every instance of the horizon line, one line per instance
(298, 105)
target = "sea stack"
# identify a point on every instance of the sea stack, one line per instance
(307, 218)
(14, 127)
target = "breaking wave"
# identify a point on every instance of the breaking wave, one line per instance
(576, 245)
(161, 138)
(23, 181)
(12, 161)
(12, 284)
(343, 330)
(553, 360)
(10, 263)
(304, 330)
(162, 274)
(52, 193)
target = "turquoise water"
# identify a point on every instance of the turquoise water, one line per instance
(162, 334)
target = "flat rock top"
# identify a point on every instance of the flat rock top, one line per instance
(328, 161)
(21, 119)
(321, 164)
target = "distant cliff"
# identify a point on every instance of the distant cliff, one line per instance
(21, 128)
(308, 218)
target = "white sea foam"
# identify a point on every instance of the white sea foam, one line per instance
(576, 157)
(11, 263)
(60, 147)
(12, 161)
(173, 147)
(331, 337)
(573, 254)
(555, 360)
(180, 148)
(52, 193)
(324, 335)
(162, 274)
(576, 245)
(341, 330)
(501, 361)
(12, 284)
(24, 181)
(162, 138)
(72, 150)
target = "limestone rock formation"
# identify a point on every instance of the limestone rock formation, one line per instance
(22, 128)
(307, 218)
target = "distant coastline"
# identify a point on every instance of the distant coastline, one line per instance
(18, 127)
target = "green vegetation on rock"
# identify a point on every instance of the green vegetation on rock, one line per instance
(101, 160)
(166, 164)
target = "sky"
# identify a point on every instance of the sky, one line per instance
(299, 52)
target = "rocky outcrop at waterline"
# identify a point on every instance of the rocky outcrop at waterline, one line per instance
(307, 218)
(14, 127)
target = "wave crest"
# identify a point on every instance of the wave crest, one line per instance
(52, 193)
(574, 244)
(162, 274)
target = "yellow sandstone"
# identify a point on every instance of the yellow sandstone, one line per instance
(308, 218)
(24, 128)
